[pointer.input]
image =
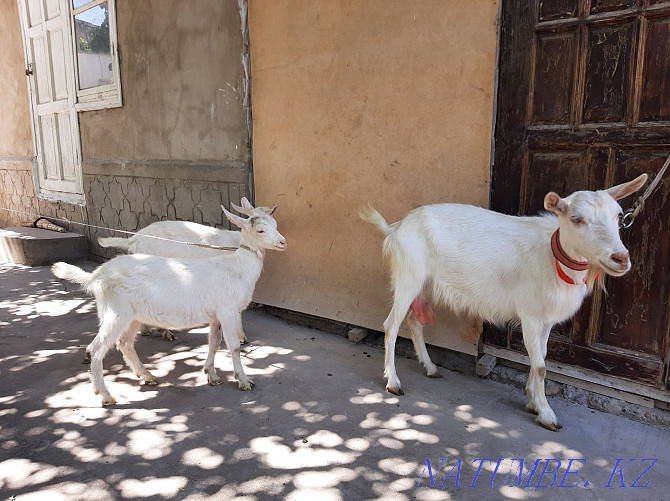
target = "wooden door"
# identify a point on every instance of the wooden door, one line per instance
(48, 47)
(584, 103)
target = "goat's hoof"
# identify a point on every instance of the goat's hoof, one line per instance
(109, 401)
(151, 382)
(247, 385)
(87, 358)
(167, 335)
(395, 391)
(214, 382)
(244, 340)
(437, 374)
(550, 426)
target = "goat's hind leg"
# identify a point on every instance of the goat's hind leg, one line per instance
(420, 346)
(534, 339)
(126, 345)
(406, 290)
(111, 329)
(215, 335)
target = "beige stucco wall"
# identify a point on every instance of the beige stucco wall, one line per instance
(381, 102)
(15, 135)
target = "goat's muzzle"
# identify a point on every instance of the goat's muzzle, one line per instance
(618, 264)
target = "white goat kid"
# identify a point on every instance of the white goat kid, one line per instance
(502, 269)
(135, 289)
(163, 238)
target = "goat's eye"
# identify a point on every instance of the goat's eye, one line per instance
(577, 220)
(260, 231)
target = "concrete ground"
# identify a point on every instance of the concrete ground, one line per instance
(318, 425)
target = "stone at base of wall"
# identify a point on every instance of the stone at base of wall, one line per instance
(591, 399)
(38, 247)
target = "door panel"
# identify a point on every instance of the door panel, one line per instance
(40, 69)
(608, 72)
(557, 9)
(600, 6)
(57, 67)
(654, 105)
(583, 103)
(554, 77)
(34, 8)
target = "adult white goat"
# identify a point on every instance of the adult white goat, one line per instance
(169, 238)
(175, 293)
(172, 239)
(502, 269)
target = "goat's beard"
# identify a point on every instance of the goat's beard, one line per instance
(595, 278)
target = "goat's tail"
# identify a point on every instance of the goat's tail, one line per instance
(71, 273)
(120, 243)
(370, 215)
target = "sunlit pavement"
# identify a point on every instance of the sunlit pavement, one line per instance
(318, 425)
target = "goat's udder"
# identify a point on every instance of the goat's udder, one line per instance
(423, 311)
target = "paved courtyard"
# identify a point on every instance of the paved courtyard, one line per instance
(318, 425)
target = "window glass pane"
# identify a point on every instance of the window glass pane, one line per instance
(78, 3)
(94, 55)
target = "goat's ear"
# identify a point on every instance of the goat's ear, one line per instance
(623, 190)
(237, 220)
(554, 203)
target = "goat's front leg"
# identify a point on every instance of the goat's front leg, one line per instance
(535, 338)
(215, 336)
(229, 328)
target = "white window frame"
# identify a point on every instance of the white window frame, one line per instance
(102, 96)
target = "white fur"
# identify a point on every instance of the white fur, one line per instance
(500, 268)
(168, 239)
(175, 293)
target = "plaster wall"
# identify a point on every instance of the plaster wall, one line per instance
(15, 135)
(183, 85)
(381, 102)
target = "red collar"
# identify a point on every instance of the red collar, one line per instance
(562, 257)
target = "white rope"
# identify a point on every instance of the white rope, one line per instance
(195, 244)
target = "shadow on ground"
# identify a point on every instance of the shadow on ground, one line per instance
(318, 425)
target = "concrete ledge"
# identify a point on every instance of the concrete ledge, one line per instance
(38, 247)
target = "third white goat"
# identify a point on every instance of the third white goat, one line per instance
(175, 293)
(169, 238)
(502, 269)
